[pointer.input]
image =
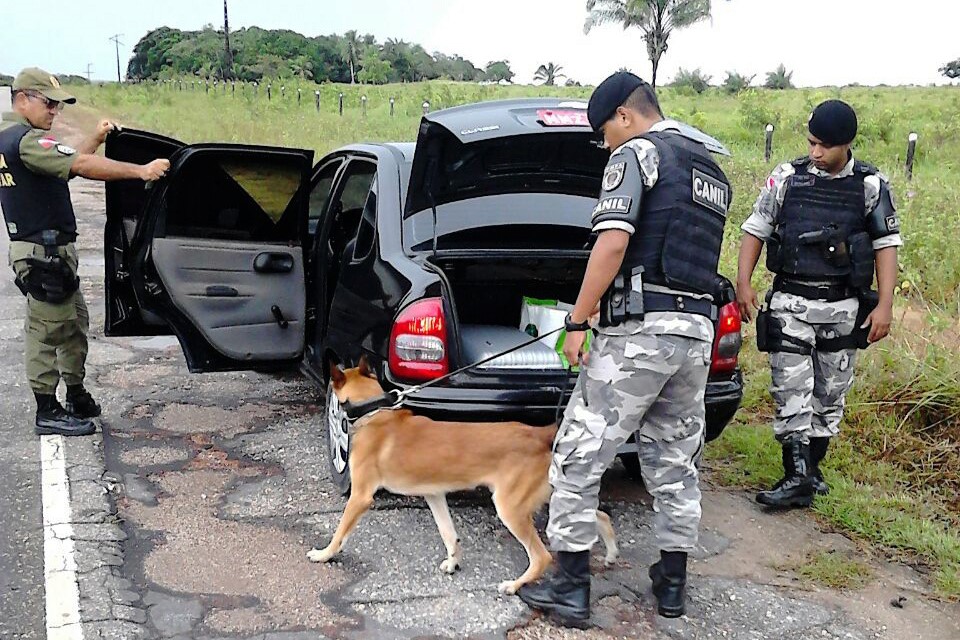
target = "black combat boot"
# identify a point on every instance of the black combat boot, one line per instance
(52, 419)
(566, 592)
(80, 403)
(818, 450)
(796, 487)
(669, 578)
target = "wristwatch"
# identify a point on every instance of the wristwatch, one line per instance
(570, 325)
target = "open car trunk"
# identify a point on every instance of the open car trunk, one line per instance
(488, 291)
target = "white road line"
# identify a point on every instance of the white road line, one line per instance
(60, 566)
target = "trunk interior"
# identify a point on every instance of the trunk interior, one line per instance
(488, 291)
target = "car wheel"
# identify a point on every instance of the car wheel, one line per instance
(338, 441)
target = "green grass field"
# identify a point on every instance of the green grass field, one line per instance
(895, 470)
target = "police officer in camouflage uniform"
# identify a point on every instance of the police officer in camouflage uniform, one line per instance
(652, 271)
(39, 218)
(829, 222)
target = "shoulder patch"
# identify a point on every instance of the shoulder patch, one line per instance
(47, 143)
(893, 223)
(65, 150)
(710, 192)
(612, 204)
(613, 175)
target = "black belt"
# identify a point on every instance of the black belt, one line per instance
(61, 238)
(825, 292)
(654, 302)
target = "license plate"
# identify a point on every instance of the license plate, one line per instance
(562, 118)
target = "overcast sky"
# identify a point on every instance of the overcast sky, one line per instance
(824, 42)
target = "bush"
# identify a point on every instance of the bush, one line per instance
(735, 82)
(694, 80)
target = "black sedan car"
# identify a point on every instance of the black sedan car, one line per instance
(418, 255)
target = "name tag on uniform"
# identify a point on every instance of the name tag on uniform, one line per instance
(613, 204)
(710, 193)
(805, 180)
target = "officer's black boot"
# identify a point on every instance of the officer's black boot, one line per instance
(796, 488)
(669, 578)
(566, 592)
(80, 403)
(818, 450)
(52, 419)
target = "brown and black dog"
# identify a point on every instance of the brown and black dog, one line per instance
(416, 456)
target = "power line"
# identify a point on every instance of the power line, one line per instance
(116, 40)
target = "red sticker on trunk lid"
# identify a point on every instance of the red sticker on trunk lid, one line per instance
(562, 118)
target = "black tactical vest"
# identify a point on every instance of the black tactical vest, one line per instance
(31, 202)
(821, 226)
(681, 223)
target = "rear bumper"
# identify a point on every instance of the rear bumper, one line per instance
(538, 405)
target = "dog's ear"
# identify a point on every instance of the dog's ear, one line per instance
(365, 370)
(337, 376)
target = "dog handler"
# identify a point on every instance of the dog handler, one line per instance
(828, 221)
(39, 217)
(659, 224)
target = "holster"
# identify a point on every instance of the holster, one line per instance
(621, 301)
(868, 300)
(770, 335)
(49, 279)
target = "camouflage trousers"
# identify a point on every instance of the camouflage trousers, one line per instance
(651, 385)
(55, 335)
(810, 391)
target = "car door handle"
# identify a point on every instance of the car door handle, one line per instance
(273, 262)
(221, 291)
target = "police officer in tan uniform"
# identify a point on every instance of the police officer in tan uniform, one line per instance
(39, 218)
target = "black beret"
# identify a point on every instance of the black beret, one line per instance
(833, 122)
(610, 94)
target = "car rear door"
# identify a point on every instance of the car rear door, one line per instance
(218, 255)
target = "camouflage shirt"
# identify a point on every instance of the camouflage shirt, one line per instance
(763, 220)
(674, 323)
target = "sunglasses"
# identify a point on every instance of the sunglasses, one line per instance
(52, 105)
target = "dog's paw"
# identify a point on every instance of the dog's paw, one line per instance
(508, 587)
(611, 558)
(449, 565)
(319, 555)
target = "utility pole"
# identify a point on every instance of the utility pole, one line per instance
(116, 40)
(89, 66)
(228, 53)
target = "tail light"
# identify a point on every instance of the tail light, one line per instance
(418, 341)
(726, 347)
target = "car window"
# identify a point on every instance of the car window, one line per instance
(347, 207)
(320, 192)
(367, 229)
(235, 197)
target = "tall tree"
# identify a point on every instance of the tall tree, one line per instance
(227, 51)
(350, 52)
(951, 69)
(779, 78)
(499, 70)
(657, 19)
(549, 73)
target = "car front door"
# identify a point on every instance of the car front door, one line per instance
(218, 255)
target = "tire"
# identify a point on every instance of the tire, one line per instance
(338, 441)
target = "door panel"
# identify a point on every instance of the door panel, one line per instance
(220, 255)
(215, 285)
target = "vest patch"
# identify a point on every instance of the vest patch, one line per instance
(710, 192)
(613, 204)
(3, 162)
(805, 180)
(613, 176)
(6, 180)
(12, 227)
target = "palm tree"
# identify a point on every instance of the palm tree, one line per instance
(657, 19)
(549, 73)
(779, 78)
(350, 52)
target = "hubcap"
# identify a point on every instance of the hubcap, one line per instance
(339, 433)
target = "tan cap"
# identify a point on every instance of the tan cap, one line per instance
(35, 79)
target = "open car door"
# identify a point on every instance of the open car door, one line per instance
(216, 254)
